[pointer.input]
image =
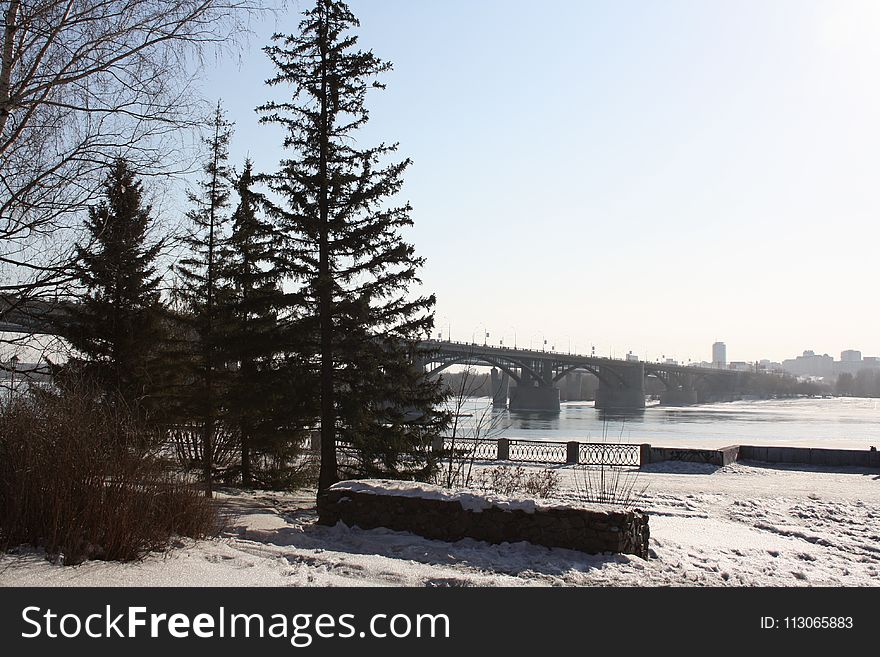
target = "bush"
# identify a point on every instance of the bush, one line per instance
(507, 480)
(286, 466)
(278, 463)
(82, 478)
(188, 443)
(609, 485)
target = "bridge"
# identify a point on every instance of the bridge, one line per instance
(523, 379)
(528, 378)
(31, 316)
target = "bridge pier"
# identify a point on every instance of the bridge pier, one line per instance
(535, 394)
(679, 397)
(723, 390)
(624, 394)
(570, 387)
(534, 398)
(500, 384)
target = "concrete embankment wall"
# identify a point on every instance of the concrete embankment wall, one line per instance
(794, 455)
(811, 456)
(719, 457)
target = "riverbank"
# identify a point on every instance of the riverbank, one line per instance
(745, 524)
(836, 423)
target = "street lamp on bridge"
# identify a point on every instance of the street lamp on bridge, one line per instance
(448, 329)
(485, 335)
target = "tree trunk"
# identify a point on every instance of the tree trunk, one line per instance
(245, 459)
(209, 329)
(10, 27)
(207, 461)
(329, 474)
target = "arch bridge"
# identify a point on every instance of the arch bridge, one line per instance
(621, 382)
(534, 373)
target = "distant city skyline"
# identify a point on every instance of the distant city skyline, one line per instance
(632, 176)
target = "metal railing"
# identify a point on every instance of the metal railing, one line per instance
(481, 450)
(529, 451)
(536, 451)
(545, 451)
(609, 454)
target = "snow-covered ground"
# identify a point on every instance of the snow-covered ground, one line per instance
(744, 524)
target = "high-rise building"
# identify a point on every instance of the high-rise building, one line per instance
(719, 355)
(850, 356)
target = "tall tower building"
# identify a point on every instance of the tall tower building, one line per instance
(719, 355)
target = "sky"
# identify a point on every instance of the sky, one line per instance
(634, 175)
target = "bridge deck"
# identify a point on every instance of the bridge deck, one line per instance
(475, 351)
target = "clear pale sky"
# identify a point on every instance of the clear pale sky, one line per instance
(635, 175)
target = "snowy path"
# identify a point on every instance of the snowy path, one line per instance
(739, 525)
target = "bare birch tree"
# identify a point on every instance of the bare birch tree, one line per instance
(83, 82)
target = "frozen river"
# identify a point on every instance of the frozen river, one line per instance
(851, 423)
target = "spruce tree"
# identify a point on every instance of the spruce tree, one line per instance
(202, 290)
(345, 249)
(264, 399)
(117, 324)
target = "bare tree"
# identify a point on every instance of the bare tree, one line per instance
(464, 438)
(81, 83)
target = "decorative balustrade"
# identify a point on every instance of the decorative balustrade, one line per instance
(529, 451)
(545, 451)
(609, 454)
(534, 451)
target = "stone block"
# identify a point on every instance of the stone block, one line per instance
(585, 529)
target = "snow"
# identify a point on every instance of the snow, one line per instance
(470, 501)
(475, 501)
(742, 525)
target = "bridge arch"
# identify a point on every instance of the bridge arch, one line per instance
(599, 374)
(664, 379)
(509, 368)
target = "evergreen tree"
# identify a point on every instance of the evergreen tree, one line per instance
(346, 250)
(202, 290)
(265, 398)
(117, 324)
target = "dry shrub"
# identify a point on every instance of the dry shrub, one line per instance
(609, 485)
(277, 463)
(507, 480)
(284, 466)
(189, 445)
(83, 479)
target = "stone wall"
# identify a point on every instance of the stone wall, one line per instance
(720, 457)
(869, 458)
(584, 529)
(812, 456)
